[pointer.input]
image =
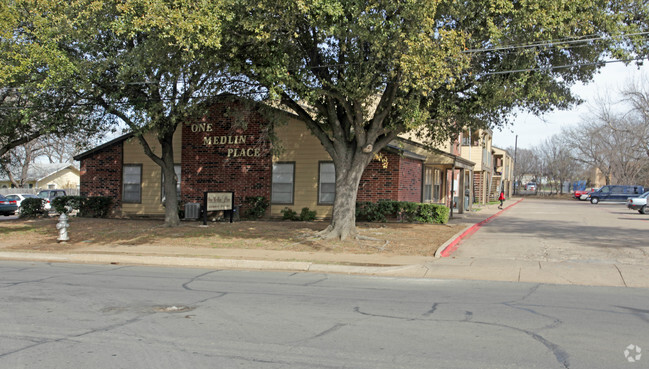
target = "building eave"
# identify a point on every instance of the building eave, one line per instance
(119, 139)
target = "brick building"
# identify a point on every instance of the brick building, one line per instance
(230, 150)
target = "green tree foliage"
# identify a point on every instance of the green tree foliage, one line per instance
(148, 64)
(36, 97)
(361, 72)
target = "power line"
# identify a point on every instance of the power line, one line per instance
(568, 40)
(565, 66)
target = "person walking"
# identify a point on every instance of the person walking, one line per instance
(501, 198)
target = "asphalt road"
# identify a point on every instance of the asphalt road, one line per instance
(92, 316)
(563, 230)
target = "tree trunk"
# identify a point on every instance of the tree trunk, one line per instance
(170, 181)
(166, 164)
(348, 176)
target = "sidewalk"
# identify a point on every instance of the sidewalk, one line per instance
(363, 264)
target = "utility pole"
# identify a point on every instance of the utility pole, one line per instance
(514, 169)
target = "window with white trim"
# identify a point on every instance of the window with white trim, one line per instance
(132, 183)
(437, 185)
(283, 181)
(428, 185)
(327, 183)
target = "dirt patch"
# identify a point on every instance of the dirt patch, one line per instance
(85, 233)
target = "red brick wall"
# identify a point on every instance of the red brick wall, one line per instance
(378, 183)
(410, 177)
(400, 181)
(217, 167)
(101, 173)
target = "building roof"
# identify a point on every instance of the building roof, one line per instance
(39, 171)
(451, 158)
(501, 150)
(121, 138)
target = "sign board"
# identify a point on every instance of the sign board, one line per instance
(219, 201)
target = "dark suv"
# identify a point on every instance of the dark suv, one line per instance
(48, 196)
(615, 193)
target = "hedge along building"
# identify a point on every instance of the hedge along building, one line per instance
(229, 149)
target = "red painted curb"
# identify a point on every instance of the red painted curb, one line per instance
(469, 231)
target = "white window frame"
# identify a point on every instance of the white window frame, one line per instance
(280, 181)
(138, 184)
(427, 193)
(437, 185)
(325, 182)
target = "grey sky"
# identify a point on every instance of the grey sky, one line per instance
(532, 130)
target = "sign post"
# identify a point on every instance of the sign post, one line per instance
(216, 201)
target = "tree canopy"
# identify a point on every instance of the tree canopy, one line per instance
(149, 65)
(361, 72)
(357, 72)
(36, 97)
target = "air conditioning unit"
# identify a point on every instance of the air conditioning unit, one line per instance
(192, 210)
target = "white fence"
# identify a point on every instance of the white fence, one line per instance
(34, 191)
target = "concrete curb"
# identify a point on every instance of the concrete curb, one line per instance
(159, 261)
(567, 273)
(451, 245)
(412, 271)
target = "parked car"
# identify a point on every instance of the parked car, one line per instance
(7, 207)
(615, 193)
(583, 195)
(586, 196)
(49, 195)
(19, 197)
(638, 203)
(530, 186)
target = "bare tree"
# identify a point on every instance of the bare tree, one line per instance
(527, 163)
(637, 95)
(612, 143)
(17, 161)
(58, 149)
(558, 164)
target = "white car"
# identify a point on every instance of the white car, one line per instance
(19, 197)
(638, 203)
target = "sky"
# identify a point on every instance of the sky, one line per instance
(532, 130)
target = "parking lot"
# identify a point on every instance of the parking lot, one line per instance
(563, 230)
(10, 217)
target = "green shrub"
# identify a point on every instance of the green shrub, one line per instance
(32, 207)
(369, 211)
(65, 204)
(95, 207)
(89, 207)
(443, 213)
(408, 211)
(403, 211)
(256, 206)
(288, 214)
(307, 215)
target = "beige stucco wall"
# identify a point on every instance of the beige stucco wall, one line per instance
(306, 151)
(66, 178)
(151, 173)
(476, 153)
(445, 146)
